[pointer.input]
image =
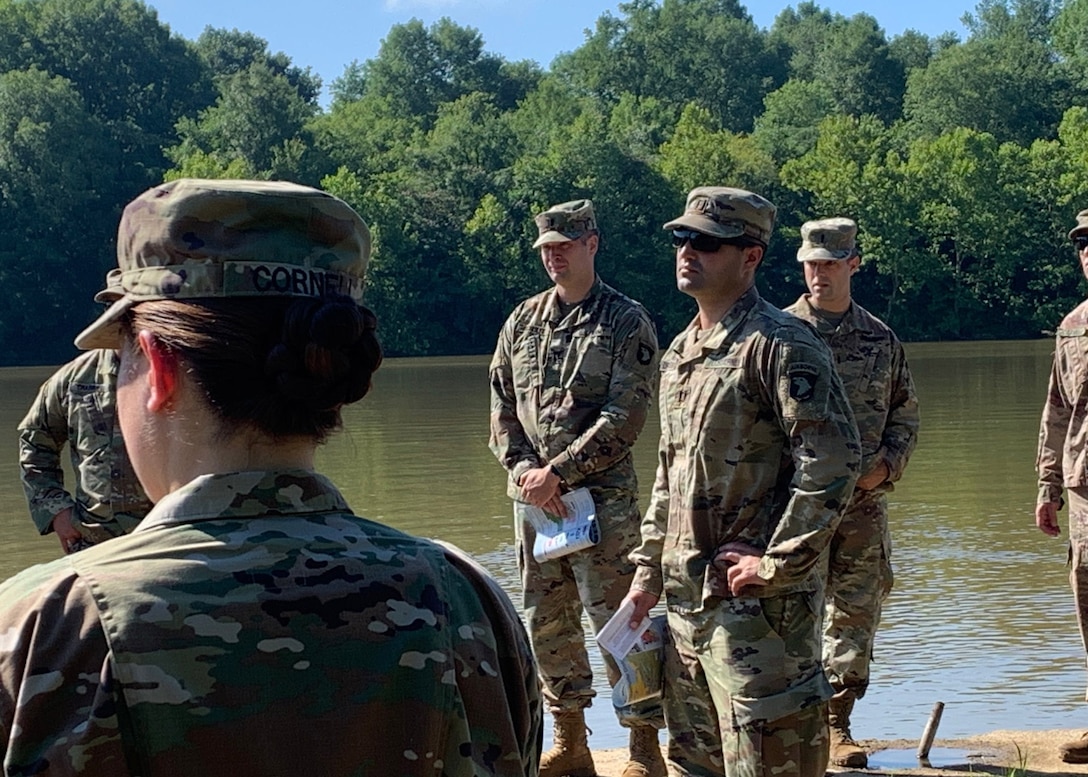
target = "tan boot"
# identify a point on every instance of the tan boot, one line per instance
(646, 760)
(844, 750)
(569, 756)
(1076, 751)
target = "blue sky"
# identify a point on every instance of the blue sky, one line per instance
(326, 35)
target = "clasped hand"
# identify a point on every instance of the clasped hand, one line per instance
(540, 487)
(741, 565)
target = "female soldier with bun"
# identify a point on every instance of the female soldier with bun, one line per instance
(252, 624)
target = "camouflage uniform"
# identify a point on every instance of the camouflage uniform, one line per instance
(873, 368)
(252, 625)
(758, 445)
(572, 391)
(1062, 461)
(77, 406)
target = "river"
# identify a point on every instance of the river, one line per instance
(981, 617)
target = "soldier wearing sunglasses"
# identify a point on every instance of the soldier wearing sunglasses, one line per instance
(757, 459)
(1062, 461)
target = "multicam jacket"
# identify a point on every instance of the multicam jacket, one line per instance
(758, 445)
(873, 368)
(252, 625)
(572, 391)
(1063, 434)
(77, 405)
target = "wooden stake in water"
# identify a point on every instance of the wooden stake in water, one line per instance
(931, 731)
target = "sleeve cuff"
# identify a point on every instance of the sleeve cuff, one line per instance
(520, 469)
(647, 579)
(767, 568)
(43, 514)
(565, 467)
(1049, 492)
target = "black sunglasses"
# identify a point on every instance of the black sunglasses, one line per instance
(1080, 241)
(700, 242)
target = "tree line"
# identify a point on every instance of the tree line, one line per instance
(963, 161)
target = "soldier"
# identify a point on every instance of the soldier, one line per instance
(252, 624)
(77, 406)
(1063, 452)
(758, 457)
(571, 381)
(870, 361)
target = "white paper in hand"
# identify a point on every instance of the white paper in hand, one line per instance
(617, 637)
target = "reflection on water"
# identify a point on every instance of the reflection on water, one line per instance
(939, 758)
(981, 616)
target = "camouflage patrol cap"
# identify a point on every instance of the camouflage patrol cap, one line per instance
(725, 212)
(200, 239)
(566, 221)
(1082, 225)
(113, 290)
(827, 239)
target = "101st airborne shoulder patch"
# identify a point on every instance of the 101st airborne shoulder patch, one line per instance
(802, 381)
(645, 353)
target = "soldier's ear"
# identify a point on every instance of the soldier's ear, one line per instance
(593, 242)
(753, 256)
(162, 372)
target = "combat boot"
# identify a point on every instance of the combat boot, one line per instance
(844, 750)
(646, 760)
(569, 756)
(1076, 751)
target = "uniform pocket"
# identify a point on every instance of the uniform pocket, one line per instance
(1070, 347)
(90, 426)
(594, 368)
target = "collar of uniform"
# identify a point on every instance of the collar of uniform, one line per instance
(108, 363)
(853, 320)
(246, 495)
(723, 331)
(554, 314)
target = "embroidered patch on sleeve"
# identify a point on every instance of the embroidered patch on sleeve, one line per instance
(802, 381)
(645, 353)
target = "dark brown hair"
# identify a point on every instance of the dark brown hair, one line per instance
(284, 366)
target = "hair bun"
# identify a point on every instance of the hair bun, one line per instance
(327, 354)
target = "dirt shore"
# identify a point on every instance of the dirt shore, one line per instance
(1002, 753)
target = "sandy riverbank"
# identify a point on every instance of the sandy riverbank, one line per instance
(997, 753)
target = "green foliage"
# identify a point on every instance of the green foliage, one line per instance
(131, 73)
(911, 50)
(675, 51)
(963, 163)
(849, 59)
(998, 19)
(55, 227)
(257, 122)
(791, 118)
(91, 92)
(699, 152)
(418, 69)
(229, 52)
(957, 224)
(1003, 81)
(1005, 88)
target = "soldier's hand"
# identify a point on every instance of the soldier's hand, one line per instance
(540, 487)
(67, 533)
(644, 601)
(741, 563)
(1046, 518)
(878, 475)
